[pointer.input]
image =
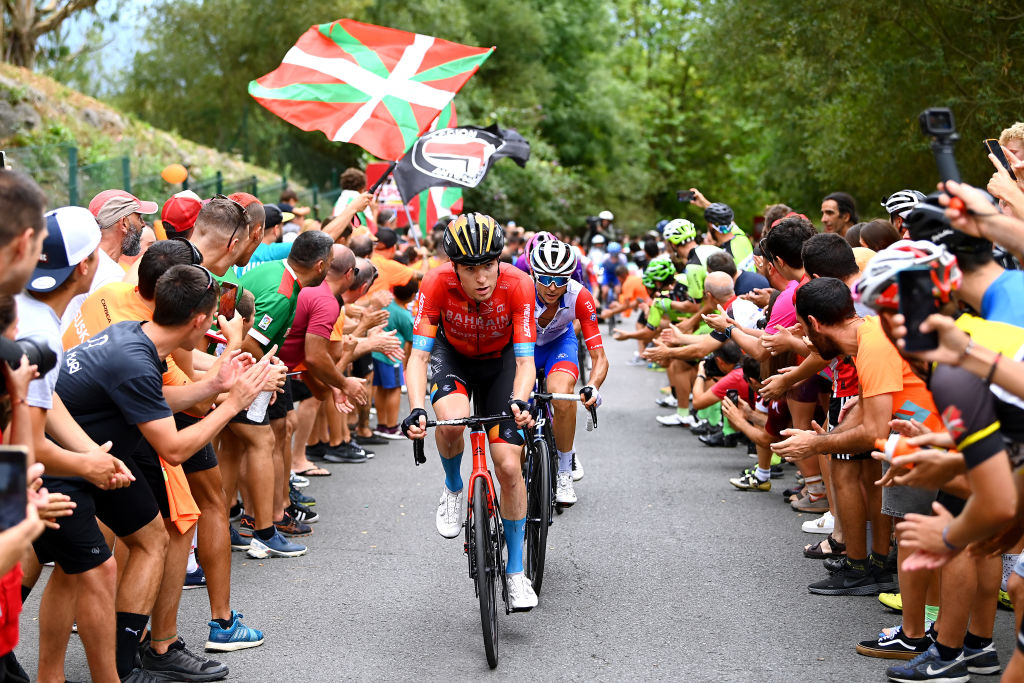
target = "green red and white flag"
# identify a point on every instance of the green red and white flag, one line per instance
(436, 202)
(376, 87)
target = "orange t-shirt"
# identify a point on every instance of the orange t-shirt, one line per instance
(391, 273)
(633, 289)
(881, 370)
(338, 333)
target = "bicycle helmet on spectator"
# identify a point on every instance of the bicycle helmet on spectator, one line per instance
(606, 216)
(553, 257)
(900, 203)
(878, 287)
(473, 239)
(660, 269)
(614, 248)
(719, 214)
(680, 231)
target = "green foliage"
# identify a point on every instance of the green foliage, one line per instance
(627, 101)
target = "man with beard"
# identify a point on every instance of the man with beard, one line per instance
(119, 215)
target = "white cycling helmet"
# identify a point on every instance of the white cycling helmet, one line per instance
(901, 203)
(553, 257)
(606, 215)
(878, 286)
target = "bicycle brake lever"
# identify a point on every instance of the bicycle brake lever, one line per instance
(417, 452)
(592, 420)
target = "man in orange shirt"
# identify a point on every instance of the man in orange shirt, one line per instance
(889, 390)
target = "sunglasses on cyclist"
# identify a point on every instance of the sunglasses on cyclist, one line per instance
(548, 280)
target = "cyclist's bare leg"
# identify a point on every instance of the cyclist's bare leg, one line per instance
(507, 458)
(451, 440)
(559, 382)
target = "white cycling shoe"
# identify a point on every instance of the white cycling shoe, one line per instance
(449, 513)
(521, 597)
(565, 494)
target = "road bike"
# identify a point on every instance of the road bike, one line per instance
(484, 532)
(540, 464)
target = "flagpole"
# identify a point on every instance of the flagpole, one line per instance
(414, 229)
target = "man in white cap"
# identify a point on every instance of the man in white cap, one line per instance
(119, 215)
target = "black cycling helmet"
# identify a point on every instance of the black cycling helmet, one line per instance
(473, 239)
(718, 214)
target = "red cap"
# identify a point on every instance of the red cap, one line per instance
(180, 212)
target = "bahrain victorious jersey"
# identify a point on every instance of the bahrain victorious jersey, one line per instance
(476, 330)
(575, 304)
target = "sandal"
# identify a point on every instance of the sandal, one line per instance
(314, 472)
(824, 549)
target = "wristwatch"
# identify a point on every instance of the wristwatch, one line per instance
(728, 331)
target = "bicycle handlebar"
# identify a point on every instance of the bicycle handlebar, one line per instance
(547, 396)
(419, 457)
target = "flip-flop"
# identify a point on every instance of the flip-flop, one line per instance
(314, 472)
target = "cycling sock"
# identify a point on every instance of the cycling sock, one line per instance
(452, 472)
(683, 412)
(565, 461)
(947, 653)
(763, 475)
(976, 642)
(265, 534)
(515, 531)
(129, 632)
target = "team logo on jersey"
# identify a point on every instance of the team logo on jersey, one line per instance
(264, 322)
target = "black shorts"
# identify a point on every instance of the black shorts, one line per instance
(300, 392)
(203, 459)
(280, 408)
(362, 366)
(835, 406)
(78, 545)
(487, 381)
(148, 462)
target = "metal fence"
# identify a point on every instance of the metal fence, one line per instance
(67, 182)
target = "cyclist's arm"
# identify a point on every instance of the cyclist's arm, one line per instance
(526, 377)
(590, 331)
(416, 377)
(599, 367)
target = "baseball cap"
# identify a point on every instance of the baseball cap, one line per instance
(72, 234)
(387, 237)
(180, 212)
(111, 206)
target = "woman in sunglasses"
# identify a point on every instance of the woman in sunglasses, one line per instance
(560, 302)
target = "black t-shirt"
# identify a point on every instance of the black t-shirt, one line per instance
(981, 425)
(748, 282)
(113, 382)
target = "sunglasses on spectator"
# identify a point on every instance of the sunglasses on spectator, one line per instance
(197, 257)
(243, 215)
(209, 284)
(548, 280)
(763, 246)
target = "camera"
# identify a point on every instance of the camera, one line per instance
(711, 368)
(38, 351)
(938, 124)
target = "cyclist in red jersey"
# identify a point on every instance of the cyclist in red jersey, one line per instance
(475, 327)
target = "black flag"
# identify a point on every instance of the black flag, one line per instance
(457, 156)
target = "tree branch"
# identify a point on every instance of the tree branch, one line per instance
(55, 19)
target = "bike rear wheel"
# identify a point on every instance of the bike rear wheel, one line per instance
(539, 503)
(485, 539)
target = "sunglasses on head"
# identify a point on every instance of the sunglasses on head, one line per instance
(197, 257)
(763, 246)
(243, 215)
(548, 280)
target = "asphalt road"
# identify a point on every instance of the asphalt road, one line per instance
(661, 571)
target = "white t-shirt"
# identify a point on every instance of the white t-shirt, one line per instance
(39, 320)
(746, 313)
(107, 271)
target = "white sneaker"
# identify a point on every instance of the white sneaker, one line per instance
(577, 468)
(521, 597)
(822, 525)
(667, 402)
(449, 513)
(676, 420)
(636, 361)
(564, 492)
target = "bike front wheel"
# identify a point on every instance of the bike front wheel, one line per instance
(538, 511)
(487, 568)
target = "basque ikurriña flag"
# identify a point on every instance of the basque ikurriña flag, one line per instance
(377, 87)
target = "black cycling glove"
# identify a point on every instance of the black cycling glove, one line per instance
(412, 419)
(522, 405)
